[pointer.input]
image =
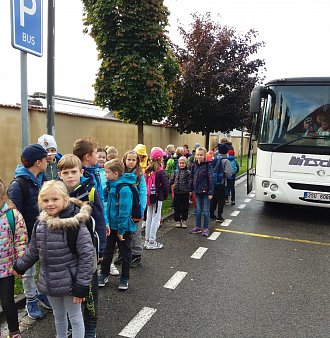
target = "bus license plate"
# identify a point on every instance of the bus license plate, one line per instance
(316, 196)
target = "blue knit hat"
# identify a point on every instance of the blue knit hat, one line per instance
(222, 148)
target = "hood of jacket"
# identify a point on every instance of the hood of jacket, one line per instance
(68, 218)
(141, 149)
(22, 171)
(124, 178)
(230, 157)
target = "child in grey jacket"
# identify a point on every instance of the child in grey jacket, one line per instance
(64, 275)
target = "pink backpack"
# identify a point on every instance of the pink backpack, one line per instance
(152, 193)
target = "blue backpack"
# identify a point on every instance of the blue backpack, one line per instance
(218, 173)
(233, 166)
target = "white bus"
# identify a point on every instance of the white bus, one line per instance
(291, 124)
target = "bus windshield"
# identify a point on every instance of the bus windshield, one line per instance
(298, 115)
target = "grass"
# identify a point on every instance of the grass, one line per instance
(243, 167)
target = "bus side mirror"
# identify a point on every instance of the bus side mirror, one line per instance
(255, 99)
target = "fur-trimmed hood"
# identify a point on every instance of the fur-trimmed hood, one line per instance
(75, 213)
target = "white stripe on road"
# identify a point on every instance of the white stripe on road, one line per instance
(241, 206)
(199, 253)
(252, 195)
(175, 280)
(226, 222)
(214, 236)
(247, 200)
(137, 323)
(235, 213)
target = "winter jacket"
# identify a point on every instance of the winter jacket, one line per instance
(181, 179)
(162, 184)
(120, 209)
(11, 249)
(28, 207)
(81, 193)
(201, 178)
(231, 159)
(61, 272)
(142, 189)
(51, 172)
(94, 173)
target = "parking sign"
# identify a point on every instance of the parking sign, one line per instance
(26, 24)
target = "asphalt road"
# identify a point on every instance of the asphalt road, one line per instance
(243, 285)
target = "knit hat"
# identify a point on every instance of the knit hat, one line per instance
(32, 153)
(157, 153)
(231, 152)
(183, 158)
(196, 145)
(222, 148)
(48, 141)
(141, 149)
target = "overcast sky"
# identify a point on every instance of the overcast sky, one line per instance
(296, 35)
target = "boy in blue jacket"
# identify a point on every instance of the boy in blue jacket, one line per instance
(119, 211)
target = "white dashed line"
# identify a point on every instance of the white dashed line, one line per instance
(175, 280)
(241, 206)
(226, 222)
(214, 236)
(252, 195)
(137, 323)
(235, 213)
(247, 200)
(199, 253)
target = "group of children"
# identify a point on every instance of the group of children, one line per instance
(70, 213)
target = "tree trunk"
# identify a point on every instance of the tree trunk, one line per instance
(140, 132)
(207, 141)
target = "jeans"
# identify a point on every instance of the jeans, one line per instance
(136, 240)
(124, 250)
(63, 306)
(218, 199)
(154, 213)
(181, 206)
(8, 303)
(203, 207)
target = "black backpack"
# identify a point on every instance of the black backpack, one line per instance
(136, 214)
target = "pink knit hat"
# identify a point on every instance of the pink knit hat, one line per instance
(157, 153)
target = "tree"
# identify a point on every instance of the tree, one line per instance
(138, 68)
(218, 74)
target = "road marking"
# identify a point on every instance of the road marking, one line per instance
(247, 200)
(214, 236)
(274, 237)
(241, 206)
(137, 323)
(199, 253)
(226, 222)
(235, 213)
(175, 280)
(252, 195)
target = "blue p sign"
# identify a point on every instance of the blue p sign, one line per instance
(27, 25)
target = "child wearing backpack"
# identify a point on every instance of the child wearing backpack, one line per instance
(64, 276)
(120, 213)
(70, 172)
(131, 162)
(180, 183)
(232, 179)
(157, 192)
(13, 244)
(201, 183)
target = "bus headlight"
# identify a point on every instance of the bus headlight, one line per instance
(265, 184)
(273, 187)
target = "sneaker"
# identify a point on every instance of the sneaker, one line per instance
(123, 284)
(205, 232)
(113, 270)
(146, 243)
(16, 335)
(102, 280)
(220, 220)
(232, 202)
(33, 310)
(135, 261)
(195, 230)
(154, 246)
(183, 224)
(213, 217)
(178, 224)
(43, 300)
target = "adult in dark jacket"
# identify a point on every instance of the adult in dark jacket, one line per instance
(64, 275)
(23, 191)
(158, 188)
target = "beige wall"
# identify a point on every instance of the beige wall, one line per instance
(69, 127)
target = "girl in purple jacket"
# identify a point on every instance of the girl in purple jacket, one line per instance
(157, 191)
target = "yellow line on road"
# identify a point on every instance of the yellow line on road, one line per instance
(273, 237)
